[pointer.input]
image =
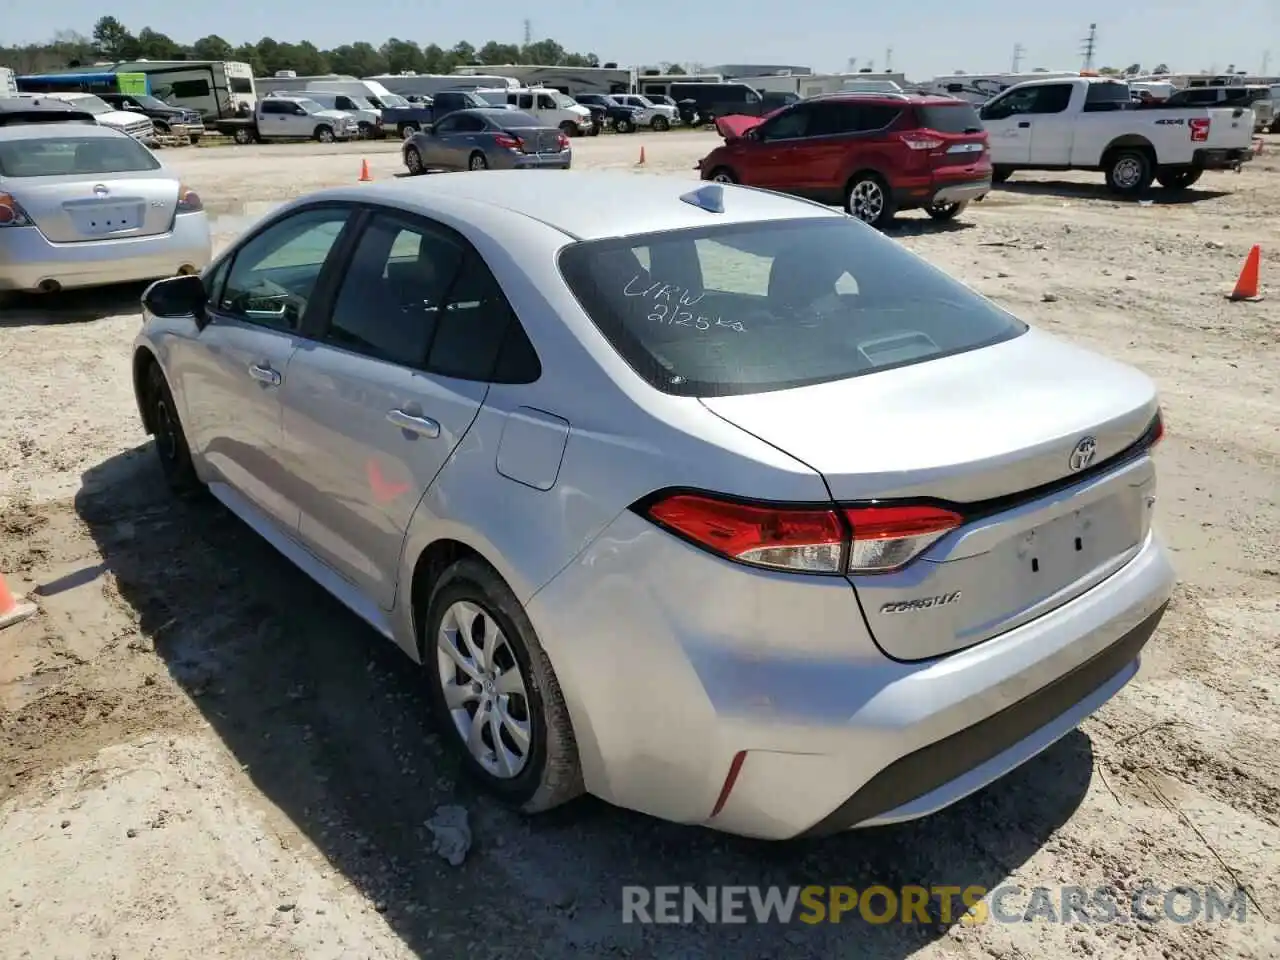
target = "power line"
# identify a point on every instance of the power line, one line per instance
(1018, 51)
(1088, 45)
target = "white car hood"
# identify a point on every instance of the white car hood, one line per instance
(120, 119)
(337, 115)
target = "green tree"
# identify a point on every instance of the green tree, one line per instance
(212, 47)
(402, 55)
(113, 39)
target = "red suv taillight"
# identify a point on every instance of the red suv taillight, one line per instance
(509, 142)
(919, 140)
(856, 540)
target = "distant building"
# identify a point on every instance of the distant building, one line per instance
(732, 70)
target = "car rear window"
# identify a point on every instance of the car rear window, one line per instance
(748, 308)
(69, 156)
(956, 117)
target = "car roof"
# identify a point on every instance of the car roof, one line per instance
(55, 131)
(889, 96)
(589, 205)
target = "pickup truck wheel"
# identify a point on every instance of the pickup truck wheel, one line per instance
(660, 123)
(625, 126)
(569, 129)
(1129, 172)
(1001, 174)
(323, 134)
(162, 128)
(944, 212)
(243, 135)
(1177, 179)
(407, 130)
(868, 199)
(366, 130)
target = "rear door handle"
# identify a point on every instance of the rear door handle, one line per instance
(264, 375)
(1024, 123)
(423, 426)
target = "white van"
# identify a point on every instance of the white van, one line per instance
(552, 107)
(126, 121)
(368, 117)
(978, 88)
(371, 90)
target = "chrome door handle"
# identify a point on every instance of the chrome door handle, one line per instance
(423, 426)
(264, 375)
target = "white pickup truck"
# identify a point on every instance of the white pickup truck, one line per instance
(1091, 123)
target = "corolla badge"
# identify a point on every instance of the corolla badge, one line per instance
(1083, 454)
(101, 190)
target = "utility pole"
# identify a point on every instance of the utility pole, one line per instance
(1266, 62)
(1018, 51)
(528, 32)
(1089, 45)
(888, 59)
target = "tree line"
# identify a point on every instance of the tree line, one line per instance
(112, 40)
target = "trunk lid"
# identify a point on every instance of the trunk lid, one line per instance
(950, 140)
(75, 209)
(996, 432)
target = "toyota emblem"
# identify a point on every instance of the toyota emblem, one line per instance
(1083, 454)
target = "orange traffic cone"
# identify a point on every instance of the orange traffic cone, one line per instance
(364, 172)
(641, 162)
(1247, 285)
(11, 611)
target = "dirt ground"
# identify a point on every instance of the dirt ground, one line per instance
(200, 751)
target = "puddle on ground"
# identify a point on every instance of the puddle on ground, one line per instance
(236, 217)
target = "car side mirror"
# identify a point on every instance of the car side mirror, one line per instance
(752, 134)
(183, 296)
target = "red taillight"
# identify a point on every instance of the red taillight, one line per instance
(508, 142)
(1199, 129)
(858, 540)
(563, 141)
(189, 201)
(11, 212)
(918, 140)
(888, 537)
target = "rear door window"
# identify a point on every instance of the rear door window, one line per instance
(748, 308)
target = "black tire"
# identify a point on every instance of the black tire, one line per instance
(194, 138)
(625, 126)
(569, 129)
(477, 161)
(170, 439)
(243, 136)
(723, 175)
(661, 123)
(406, 130)
(1177, 179)
(365, 130)
(858, 204)
(162, 128)
(946, 212)
(551, 775)
(323, 134)
(1275, 127)
(1129, 171)
(594, 131)
(413, 161)
(1001, 174)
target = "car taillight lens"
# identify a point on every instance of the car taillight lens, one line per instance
(11, 212)
(888, 537)
(1199, 129)
(921, 141)
(856, 540)
(508, 142)
(189, 201)
(563, 141)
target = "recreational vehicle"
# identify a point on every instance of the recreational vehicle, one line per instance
(429, 84)
(8, 84)
(568, 80)
(213, 88)
(659, 84)
(978, 88)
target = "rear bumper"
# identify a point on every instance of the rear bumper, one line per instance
(27, 259)
(559, 161)
(1221, 158)
(914, 193)
(962, 192)
(672, 663)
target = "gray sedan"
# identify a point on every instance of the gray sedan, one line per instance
(483, 139)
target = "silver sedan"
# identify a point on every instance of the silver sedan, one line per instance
(84, 206)
(482, 139)
(718, 505)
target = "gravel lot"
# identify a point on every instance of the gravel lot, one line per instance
(199, 750)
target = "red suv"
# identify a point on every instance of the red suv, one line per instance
(875, 154)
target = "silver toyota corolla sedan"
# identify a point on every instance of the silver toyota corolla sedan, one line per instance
(480, 139)
(721, 506)
(82, 206)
